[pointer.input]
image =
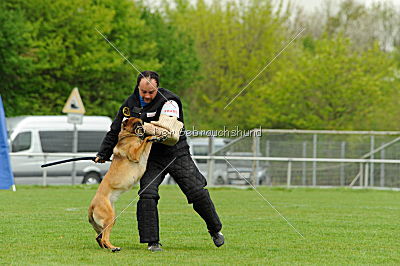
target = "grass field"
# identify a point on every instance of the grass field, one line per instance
(341, 226)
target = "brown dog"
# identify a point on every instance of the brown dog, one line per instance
(127, 167)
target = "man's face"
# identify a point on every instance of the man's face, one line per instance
(146, 90)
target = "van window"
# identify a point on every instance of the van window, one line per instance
(22, 142)
(90, 141)
(56, 141)
(62, 141)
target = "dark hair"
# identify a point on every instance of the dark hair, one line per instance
(148, 74)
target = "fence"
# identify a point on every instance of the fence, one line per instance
(318, 157)
(299, 158)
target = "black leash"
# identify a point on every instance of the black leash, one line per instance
(70, 160)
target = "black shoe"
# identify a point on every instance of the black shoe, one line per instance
(218, 238)
(154, 247)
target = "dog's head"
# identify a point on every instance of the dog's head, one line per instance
(133, 125)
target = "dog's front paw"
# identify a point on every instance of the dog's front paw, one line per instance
(151, 139)
(157, 139)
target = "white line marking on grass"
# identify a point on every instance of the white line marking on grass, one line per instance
(72, 209)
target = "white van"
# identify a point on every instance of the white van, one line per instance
(52, 135)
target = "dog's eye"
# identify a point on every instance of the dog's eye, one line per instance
(137, 124)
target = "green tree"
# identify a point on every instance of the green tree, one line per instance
(179, 63)
(68, 52)
(330, 86)
(234, 41)
(16, 61)
(174, 50)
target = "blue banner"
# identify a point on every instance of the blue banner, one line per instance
(6, 174)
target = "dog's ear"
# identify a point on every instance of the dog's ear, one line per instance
(124, 123)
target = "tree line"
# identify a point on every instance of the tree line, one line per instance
(342, 72)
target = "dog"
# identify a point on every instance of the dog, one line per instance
(127, 167)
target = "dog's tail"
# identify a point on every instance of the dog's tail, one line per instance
(98, 228)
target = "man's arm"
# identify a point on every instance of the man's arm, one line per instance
(111, 138)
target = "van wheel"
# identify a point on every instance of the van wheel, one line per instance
(91, 178)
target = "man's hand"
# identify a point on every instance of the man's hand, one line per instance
(99, 160)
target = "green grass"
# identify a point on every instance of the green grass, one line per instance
(49, 226)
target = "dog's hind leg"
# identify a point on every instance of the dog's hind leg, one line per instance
(97, 223)
(108, 223)
(106, 238)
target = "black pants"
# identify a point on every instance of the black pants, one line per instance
(190, 181)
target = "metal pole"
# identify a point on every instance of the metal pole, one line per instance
(289, 173)
(256, 151)
(366, 175)
(382, 181)
(362, 174)
(45, 171)
(268, 164)
(304, 170)
(211, 162)
(342, 155)
(314, 165)
(371, 170)
(74, 150)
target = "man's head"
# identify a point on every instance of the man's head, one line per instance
(147, 83)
